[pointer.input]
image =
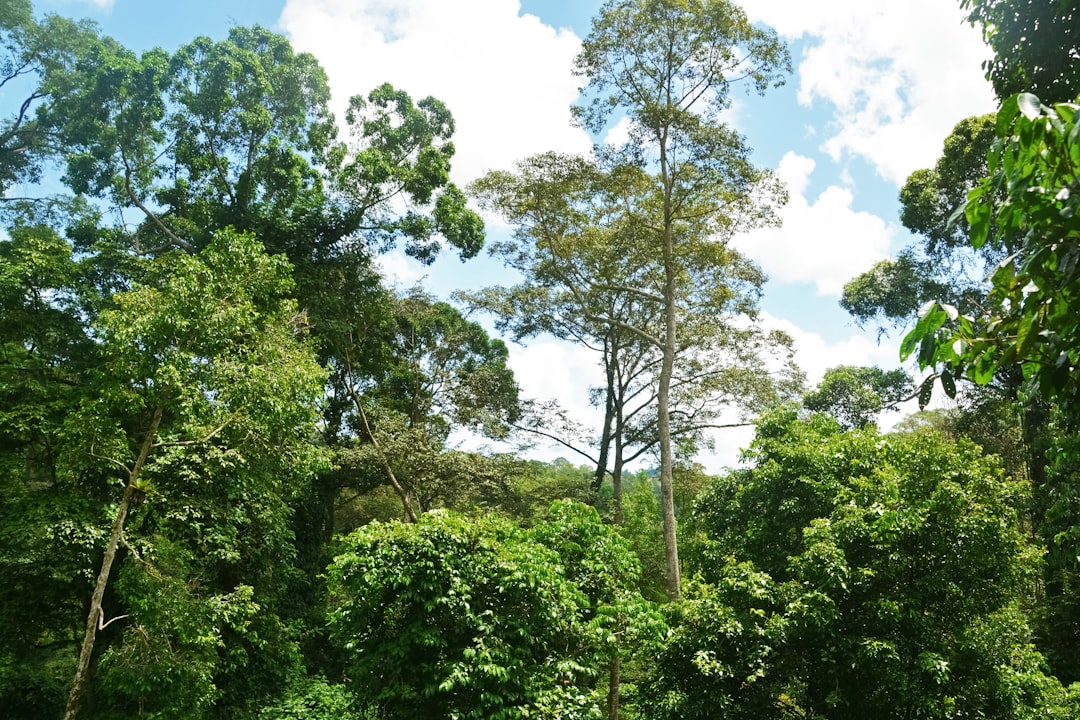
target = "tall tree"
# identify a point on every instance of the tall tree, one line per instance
(941, 264)
(589, 277)
(1033, 190)
(669, 66)
(32, 52)
(1027, 324)
(203, 358)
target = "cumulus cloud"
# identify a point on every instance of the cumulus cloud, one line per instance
(815, 355)
(823, 241)
(898, 75)
(506, 78)
(549, 368)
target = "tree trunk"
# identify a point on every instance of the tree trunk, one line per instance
(663, 416)
(613, 688)
(616, 483)
(667, 494)
(609, 413)
(96, 618)
(406, 500)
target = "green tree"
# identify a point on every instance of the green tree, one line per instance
(590, 278)
(204, 378)
(1028, 324)
(850, 573)
(856, 395)
(30, 51)
(1034, 169)
(669, 66)
(941, 264)
(167, 152)
(238, 132)
(477, 618)
(439, 373)
(49, 535)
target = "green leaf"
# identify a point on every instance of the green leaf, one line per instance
(1006, 115)
(948, 384)
(909, 343)
(926, 390)
(1029, 105)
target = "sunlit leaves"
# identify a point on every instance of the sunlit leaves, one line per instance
(853, 573)
(1033, 302)
(478, 618)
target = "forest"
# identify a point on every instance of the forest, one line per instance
(229, 480)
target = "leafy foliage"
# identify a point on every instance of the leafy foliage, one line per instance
(1035, 45)
(855, 395)
(476, 618)
(1029, 315)
(941, 265)
(854, 573)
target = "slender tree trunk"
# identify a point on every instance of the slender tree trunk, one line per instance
(402, 493)
(616, 482)
(613, 688)
(406, 500)
(609, 413)
(95, 619)
(667, 369)
(663, 422)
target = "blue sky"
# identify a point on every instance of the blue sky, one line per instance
(877, 86)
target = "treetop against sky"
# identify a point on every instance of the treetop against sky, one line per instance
(876, 88)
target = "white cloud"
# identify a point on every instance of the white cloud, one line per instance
(815, 355)
(399, 270)
(506, 78)
(548, 368)
(619, 133)
(552, 369)
(899, 75)
(825, 241)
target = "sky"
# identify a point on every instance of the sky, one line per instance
(876, 87)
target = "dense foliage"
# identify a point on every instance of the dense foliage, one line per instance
(229, 483)
(848, 573)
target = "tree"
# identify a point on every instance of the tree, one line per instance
(848, 573)
(1030, 311)
(205, 358)
(477, 618)
(238, 132)
(439, 372)
(1034, 43)
(589, 278)
(1028, 321)
(30, 50)
(941, 264)
(49, 535)
(855, 395)
(669, 66)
